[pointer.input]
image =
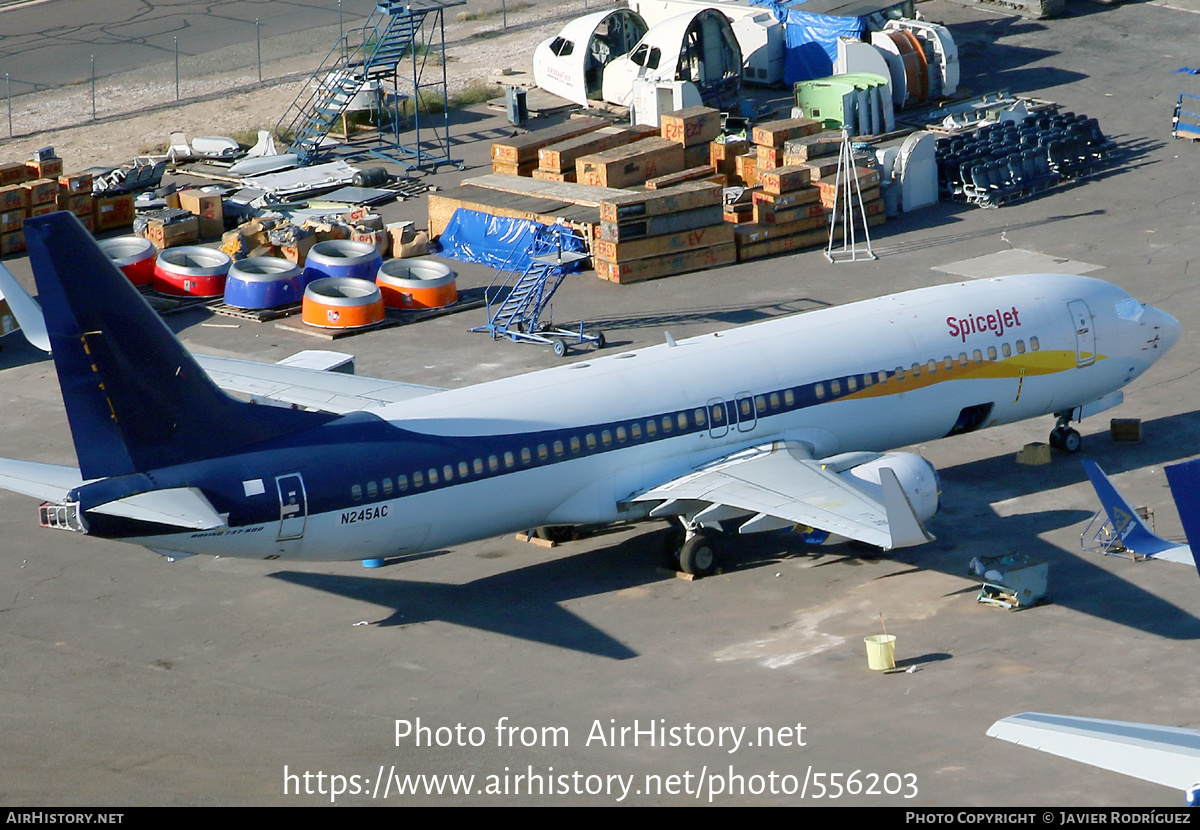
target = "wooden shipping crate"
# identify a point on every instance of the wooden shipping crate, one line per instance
(766, 214)
(758, 248)
(828, 194)
(806, 195)
(664, 266)
(691, 126)
(173, 234)
(50, 168)
(75, 183)
(705, 173)
(41, 191)
(560, 157)
(208, 207)
(752, 232)
(553, 176)
(746, 169)
(14, 173)
(686, 196)
(809, 147)
(12, 220)
(525, 168)
(687, 240)
(782, 180)
(630, 165)
(14, 197)
(78, 203)
(723, 156)
(525, 147)
(778, 133)
(12, 242)
(645, 226)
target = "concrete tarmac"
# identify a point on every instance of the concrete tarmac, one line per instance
(126, 680)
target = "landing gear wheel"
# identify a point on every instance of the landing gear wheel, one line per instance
(698, 557)
(599, 340)
(558, 534)
(1072, 441)
(559, 346)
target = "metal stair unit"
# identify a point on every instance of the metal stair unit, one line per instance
(399, 32)
(516, 299)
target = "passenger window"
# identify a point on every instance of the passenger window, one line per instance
(606, 437)
(1006, 350)
(401, 483)
(948, 363)
(418, 479)
(681, 420)
(744, 407)
(851, 383)
(448, 473)
(962, 360)
(574, 443)
(433, 476)
(835, 387)
(899, 373)
(463, 469)
(478, 466)
(526, 455)
(621, 435)
(883, 377)
(666, 423)
(774, 401)
(718, 413)
(760, 403)
(509, 461)
(635, 429)
(651, 429)
(868, 380)
(372, 489)
(558, 449)
(387, 486)
(1020, 347)
(916, 370)
(543, 452)
(819, 391)
(356, 492)
(1033, 344)
(590, 439)
(789, 398)
(493, 463)
(991, 352)
(699, 416)
(931, 366)
(977, 356)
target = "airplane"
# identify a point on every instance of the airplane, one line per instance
(1129, 532)
(783, 423)
(1164, 755)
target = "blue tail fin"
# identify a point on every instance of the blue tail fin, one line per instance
(1185, 488)
(135, 398)
(1127, 524)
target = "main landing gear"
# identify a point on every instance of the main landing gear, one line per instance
(1063, 437)
(693, 551)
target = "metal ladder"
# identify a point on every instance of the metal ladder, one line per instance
(358, 58)
(516, 299)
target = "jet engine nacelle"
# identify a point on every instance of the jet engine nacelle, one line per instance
(918, 478)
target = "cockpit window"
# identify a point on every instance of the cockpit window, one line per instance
(1129, 309)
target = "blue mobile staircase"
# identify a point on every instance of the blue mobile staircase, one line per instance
(517, 298)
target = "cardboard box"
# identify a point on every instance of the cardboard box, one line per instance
(14, 197)
(109, 212)
(173, 234)
(13, 173)
(12, 243)
(41, 191)
(50, 168)
(209, 209)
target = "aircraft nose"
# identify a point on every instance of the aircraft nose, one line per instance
(1165, 329)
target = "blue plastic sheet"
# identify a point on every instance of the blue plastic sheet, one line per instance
(810, 40)
(502, 243)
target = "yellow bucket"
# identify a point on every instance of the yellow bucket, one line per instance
(881, 652)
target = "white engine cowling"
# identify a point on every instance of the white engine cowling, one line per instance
(917, 477)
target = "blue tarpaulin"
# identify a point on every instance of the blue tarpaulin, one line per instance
(810, 39)
(502, 243)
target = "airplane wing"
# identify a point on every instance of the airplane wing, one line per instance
(779, 485)
(310, 388)
(1161, 754)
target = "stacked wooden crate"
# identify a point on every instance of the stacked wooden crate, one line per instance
(556, 162)
(787, 213)
(649, 234)
(868, 185)
(518, 156)
(693, 128)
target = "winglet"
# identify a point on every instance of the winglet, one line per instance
(903, 523)
(1185, 488)
(26, 309)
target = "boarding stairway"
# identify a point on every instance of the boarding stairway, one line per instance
(1185, 124)
(517, 298)
(360, 59)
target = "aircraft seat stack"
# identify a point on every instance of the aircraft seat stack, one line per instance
(1008, 161)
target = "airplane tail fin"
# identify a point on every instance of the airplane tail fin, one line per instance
(1185, 488)
(1127, 525)
(25, 309)
(136, 400)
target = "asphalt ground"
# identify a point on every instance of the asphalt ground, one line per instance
(126, 680)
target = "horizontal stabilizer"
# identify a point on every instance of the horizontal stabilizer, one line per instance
(26, 309)
(179, 507)
(309, 388)
(1162, 754)
(48, 482)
